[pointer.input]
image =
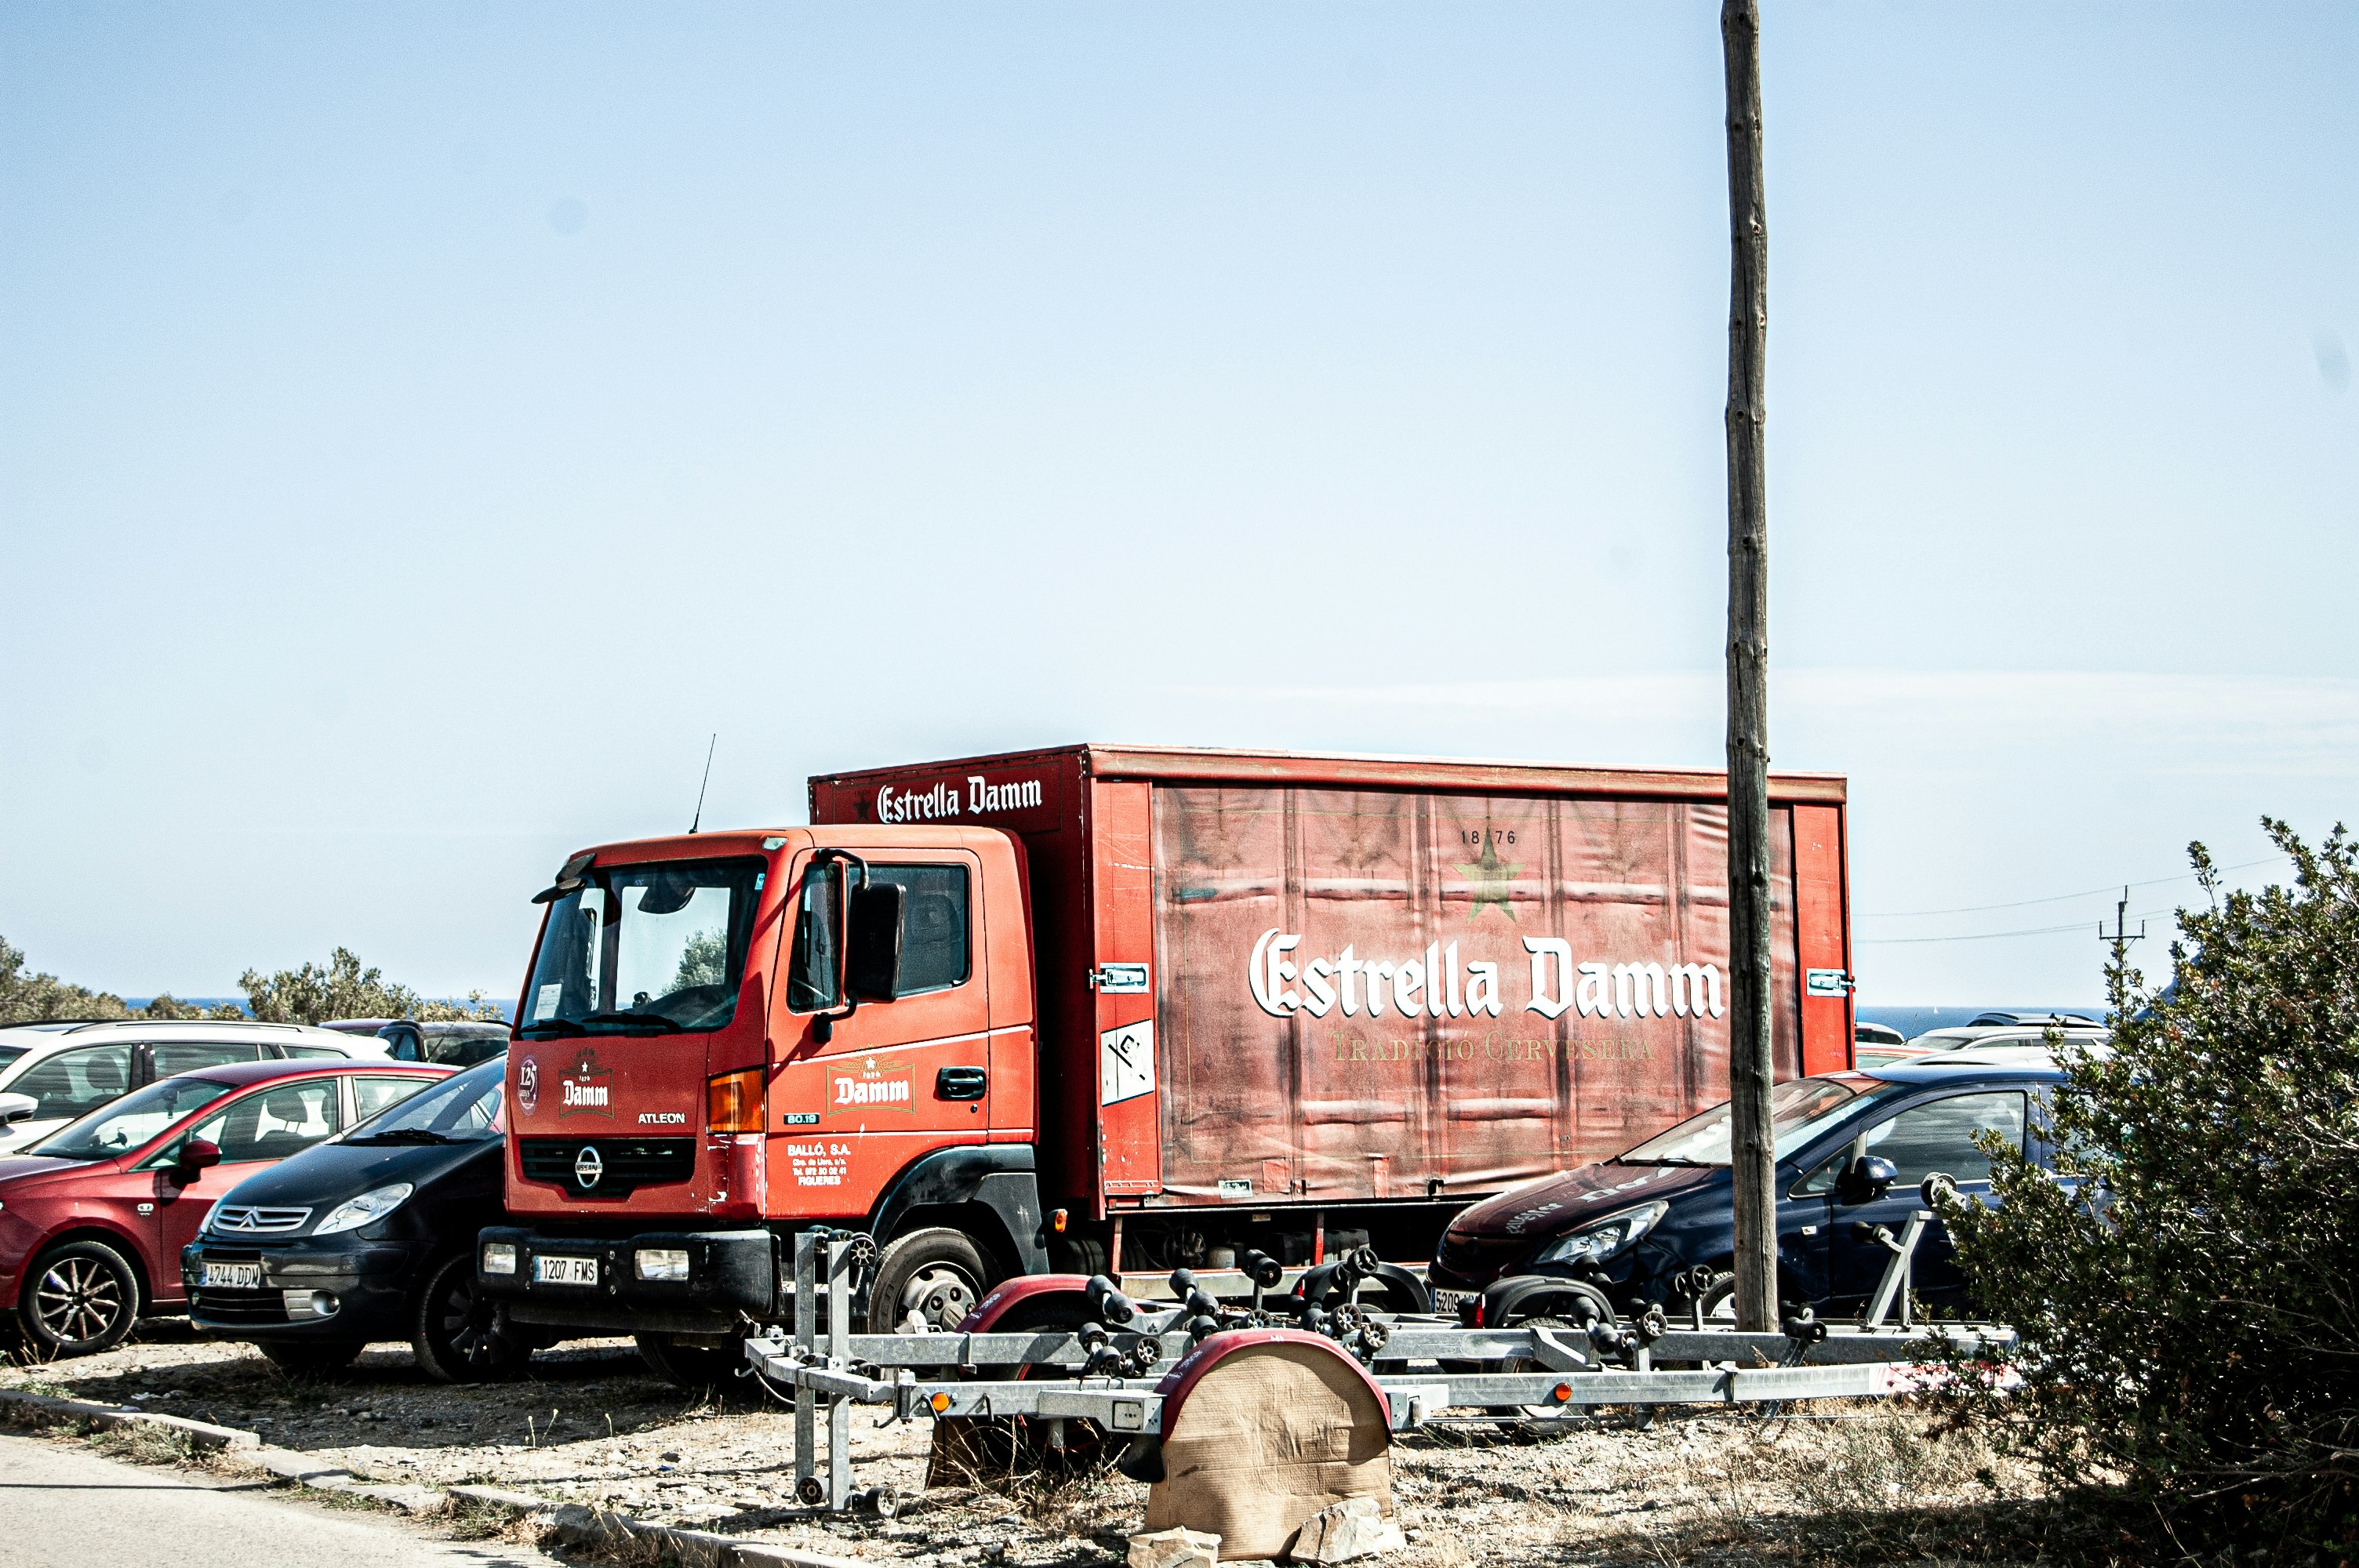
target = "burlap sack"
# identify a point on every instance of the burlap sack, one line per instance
(1267, 1437)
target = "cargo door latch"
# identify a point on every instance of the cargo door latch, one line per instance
(1828, 982)
(1119, 979)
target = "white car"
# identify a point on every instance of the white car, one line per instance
(67, 1068)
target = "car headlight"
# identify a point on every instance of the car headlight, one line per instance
(499, 1258)
(1606, 1239)
(365, 1210)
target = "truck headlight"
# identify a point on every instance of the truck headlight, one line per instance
(365, 1210)
(1606, 1239)
(660, 1262)
(499, 1257)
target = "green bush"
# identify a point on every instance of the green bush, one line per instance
(2185, 1286)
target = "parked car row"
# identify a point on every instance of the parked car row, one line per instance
(308, 1189)
(313, 1191)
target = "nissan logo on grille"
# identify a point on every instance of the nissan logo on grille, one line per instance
(588, 1167)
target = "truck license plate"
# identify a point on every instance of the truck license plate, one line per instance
(232, 1276)
(565, 1270)
(1446, 1302)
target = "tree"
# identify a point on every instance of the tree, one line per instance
(2186, 1286)
(33, 998)
(703, 960)
(342, 989)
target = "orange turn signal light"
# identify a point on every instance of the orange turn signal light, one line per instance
(941, 1403)
(1561, 1392)
(732, 1102)
(1057, 1221)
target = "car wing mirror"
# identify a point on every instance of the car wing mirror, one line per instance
(1868, 1178)
(198, 1155)
(15, 1107)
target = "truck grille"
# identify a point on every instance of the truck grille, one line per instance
(240, 1221)
(620, 1165)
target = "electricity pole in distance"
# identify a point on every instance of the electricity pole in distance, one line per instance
(1750, 1069)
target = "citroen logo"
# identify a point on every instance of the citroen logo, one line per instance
(588, 1167)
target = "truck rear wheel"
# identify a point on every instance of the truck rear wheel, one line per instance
(937, 1273)
(696, 1368)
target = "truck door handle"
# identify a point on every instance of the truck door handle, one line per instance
(961, 1083)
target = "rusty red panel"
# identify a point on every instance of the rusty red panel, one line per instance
(1825, 935)
(1369, 994)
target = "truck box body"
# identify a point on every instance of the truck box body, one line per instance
(1297, 981)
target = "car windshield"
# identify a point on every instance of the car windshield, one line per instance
(659, 947)
(462, 1108)
(1799, 1110)
(1947, 1039)
(130, 1121)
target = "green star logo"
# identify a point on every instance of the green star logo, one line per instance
(1491, 877)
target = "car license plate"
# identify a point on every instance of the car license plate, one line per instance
(232, 1276)
(1446, 1302)
(565, 1270)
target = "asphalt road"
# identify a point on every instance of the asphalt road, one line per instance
(62, 1507)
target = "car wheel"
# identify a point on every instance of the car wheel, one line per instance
(79, 1299)
(698, 1369)
(454, 1333)
(310, 1358)
(938, 1274)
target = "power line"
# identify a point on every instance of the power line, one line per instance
(2052, 898)
(1995, 936)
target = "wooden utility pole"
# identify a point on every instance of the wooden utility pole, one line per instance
(1752, 1152)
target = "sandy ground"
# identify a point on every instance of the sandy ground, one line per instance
(591, 1425)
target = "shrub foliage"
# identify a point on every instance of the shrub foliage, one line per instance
(2184, 1286)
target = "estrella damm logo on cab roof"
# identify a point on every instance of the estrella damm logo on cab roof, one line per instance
(587, 1088)
(872, 1085)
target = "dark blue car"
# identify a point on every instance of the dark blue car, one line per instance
(1852, 1149)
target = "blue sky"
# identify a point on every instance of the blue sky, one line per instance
(424, 426)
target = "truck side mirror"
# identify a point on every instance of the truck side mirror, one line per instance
(1868, 1178)
(873, 946)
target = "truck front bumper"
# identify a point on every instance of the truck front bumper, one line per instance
(672, 1282)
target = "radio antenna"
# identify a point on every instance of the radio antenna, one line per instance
(707, 779)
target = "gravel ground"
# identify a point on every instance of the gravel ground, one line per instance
(591, 1425)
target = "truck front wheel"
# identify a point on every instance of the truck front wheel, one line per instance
(937, 1273)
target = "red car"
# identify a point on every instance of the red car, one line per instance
(93, 1217)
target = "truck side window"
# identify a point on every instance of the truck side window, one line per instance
(934, 956)
(815, 974)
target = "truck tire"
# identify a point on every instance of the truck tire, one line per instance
(938, 1273)
(77, 1300)
(698, 1369)
(454, 1333)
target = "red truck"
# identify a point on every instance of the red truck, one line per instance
(1101, 1008)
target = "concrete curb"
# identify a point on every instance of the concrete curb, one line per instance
(201, 1435)
(573, 1524)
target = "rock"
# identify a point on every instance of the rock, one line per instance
(1176, 1548)
(1353, 1529)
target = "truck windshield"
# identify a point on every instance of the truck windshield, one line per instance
(1799, 1109)
(655, 947)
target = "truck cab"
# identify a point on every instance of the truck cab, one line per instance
(729, 1037)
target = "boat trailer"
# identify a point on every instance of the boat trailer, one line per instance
(1119, 1370)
